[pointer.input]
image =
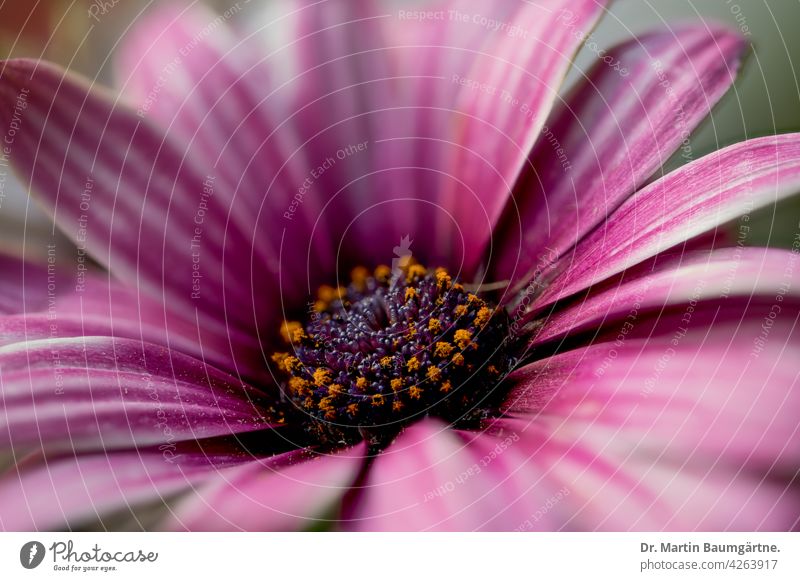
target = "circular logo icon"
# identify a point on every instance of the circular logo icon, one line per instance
(31, 554)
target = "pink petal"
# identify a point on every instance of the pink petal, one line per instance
(748, 274)
(97, 392)
(96, 306)
(60, 494)
(216, 93)
(305, 494)
(434, 478)
(617, 127)
(23, 285)
(692, 200)
(96, 163)
(685, 427)
(498, 130)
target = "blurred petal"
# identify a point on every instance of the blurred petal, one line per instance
(688, 426)
(434, 478)
(303, 494)
(61, 493)
(617, 127)
(23, 285)
(97, 392)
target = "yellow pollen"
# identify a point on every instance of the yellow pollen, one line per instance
(463, 338)
(414, 392)
(412, 364)
(434, 325)
(442, 349)
(415, 270)
(292, 332)
(377, 400)
(493, 370)
(396, 384)
(298, 385)
(483, 316)
(322, 377)
(326, 293)
(361, 383)
(359, 276)
(411, 333)
(352, 409)
(325, 403)
(458, 287)
(443, 280)
(473, 299)
(383, 273)
(335, 389)
(410, 293)
(397, 405)
(458, 359)
(460, 310)
(434, 373)
(286, 362)
(308, 403)
(446, 387)
(386, 361)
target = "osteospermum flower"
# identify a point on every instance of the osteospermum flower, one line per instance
(381, 275)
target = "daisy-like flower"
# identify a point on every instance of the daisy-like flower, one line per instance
(379, 274)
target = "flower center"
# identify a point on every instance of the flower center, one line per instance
(392, 347)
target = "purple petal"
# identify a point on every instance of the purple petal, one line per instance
(434, 478)
(690, 201)
(97, 392)
(746, 274)
(614, 130)
(688, 426)
(216, 93)
(23, 285)
(305, 494)
(150, 212)
(60, 494)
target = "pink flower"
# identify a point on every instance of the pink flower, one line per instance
(653, 372)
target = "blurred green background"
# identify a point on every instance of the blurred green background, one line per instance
(765, 99)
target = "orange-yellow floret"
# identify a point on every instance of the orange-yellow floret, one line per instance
(361, 383)
(412, 364)
(462, 338)
(415, 270)
(396, 384)
(483, 316)
(458, 359)
(442, 349)
(434, 373)
(322, 377)
(434, 325)
(378, 400)
(292, 332)
(383, 273)
(359, 276)
(414, 392)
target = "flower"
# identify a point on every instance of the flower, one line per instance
(383, 277)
